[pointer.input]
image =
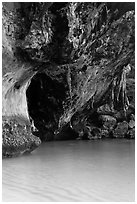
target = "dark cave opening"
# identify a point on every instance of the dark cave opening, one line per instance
(44, 97)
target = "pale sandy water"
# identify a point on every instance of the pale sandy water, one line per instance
(72, 171)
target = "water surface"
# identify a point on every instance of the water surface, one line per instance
(102, 170)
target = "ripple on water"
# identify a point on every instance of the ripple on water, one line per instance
(72, 171)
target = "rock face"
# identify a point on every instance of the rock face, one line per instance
(108, 122)
(17, 139)
(62, 61)
(131, 134)
(121, 129)
(132, 121)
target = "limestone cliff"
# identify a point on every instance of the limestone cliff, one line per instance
(63, 61)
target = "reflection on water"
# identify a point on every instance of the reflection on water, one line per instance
(72, 171)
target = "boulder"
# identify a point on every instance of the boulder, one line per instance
(95, 134)
(108, 122)
(131, 134)
(17, 139)
(121, 130)
(131, 123)
(105, 133)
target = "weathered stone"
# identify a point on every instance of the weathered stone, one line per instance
(131, 123)
(108, 122)
(105, 110)
(121, 130)
(95, 134)
(86, 130)
(82, 129)
(120, 116)
(105, 133)
(132, 117)
(66, 58)
(17, 139)
(131, 134)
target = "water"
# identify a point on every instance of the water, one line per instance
(72, 171)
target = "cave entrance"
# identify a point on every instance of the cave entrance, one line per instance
(44, 97)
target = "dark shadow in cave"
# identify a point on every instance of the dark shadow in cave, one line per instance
(61, 30)
(45, 97)
(60, 21)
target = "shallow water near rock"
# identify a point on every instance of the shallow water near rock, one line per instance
(102, 170)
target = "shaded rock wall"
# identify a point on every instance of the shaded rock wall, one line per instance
(67, 60)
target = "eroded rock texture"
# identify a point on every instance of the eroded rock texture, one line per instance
(64, 63)
(17, 138)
